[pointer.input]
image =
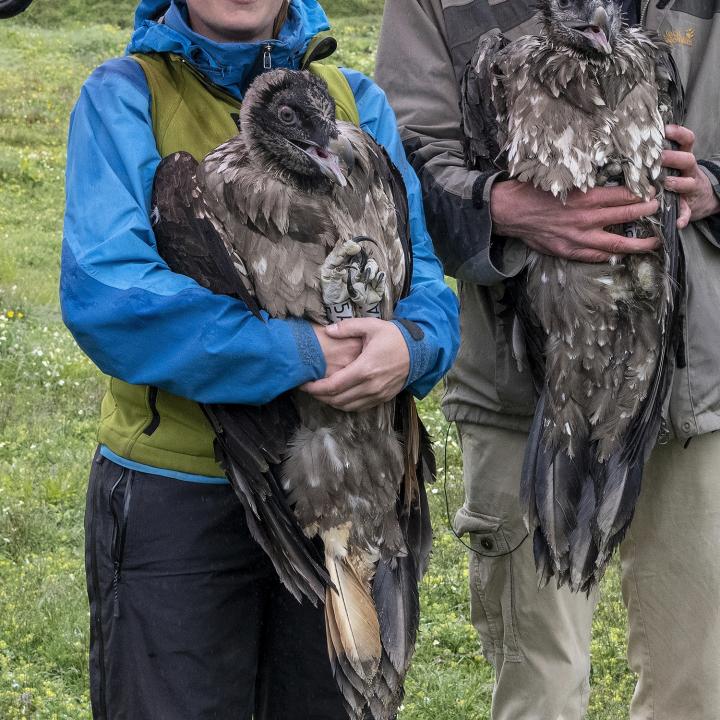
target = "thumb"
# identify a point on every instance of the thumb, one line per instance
(352, 327)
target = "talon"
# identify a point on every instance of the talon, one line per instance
(350, 247)
(350, 289)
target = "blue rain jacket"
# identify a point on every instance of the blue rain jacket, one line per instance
(146, 325)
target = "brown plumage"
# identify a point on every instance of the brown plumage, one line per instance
(583, 105)
(304, 216)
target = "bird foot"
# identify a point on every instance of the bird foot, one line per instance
(353, 285)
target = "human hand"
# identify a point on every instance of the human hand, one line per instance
(574, 230)
(338, 352)
(377, 375)
(697, 198)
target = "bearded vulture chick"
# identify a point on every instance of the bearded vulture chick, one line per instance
(302, 216)
(581, 105)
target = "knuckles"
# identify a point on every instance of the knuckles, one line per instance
(586, 218)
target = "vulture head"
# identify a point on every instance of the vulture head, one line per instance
(588, 26)
(288, 122)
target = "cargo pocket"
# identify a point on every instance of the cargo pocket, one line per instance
(492, 591)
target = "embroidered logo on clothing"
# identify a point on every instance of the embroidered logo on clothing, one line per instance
(677, 37)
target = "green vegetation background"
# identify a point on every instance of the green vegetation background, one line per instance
(49, 396)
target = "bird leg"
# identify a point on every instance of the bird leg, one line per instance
(353, 285)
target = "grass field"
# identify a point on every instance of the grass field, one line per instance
(49, 394)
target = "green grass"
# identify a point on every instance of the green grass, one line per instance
(49, 13)
(49, 395)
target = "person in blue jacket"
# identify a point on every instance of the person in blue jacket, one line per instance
(188, 619)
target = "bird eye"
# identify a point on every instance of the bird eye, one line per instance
(563, 3)
(287, 115)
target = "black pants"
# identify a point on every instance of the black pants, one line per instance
(188, 619)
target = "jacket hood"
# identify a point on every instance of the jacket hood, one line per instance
(161, 26)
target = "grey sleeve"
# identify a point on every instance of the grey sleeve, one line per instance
(416, 69)
(712, 169)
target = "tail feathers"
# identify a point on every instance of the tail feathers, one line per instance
(389, 692)
(556, 491)
(352, 619)
(551, 486)
(370, 675)
(583, 548)
(543, 561)
(396, 582)
(578, 509)
(391, 683)
(351, 686)
(416, 525)
(397, 599)
(616, 507)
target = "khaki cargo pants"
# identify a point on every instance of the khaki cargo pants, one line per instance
(538, 641)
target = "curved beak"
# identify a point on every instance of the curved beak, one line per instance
(597, 31)
(331, 159)
(343, 149)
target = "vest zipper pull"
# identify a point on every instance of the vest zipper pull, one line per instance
(267, 57)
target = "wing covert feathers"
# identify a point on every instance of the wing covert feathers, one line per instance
(187, 240)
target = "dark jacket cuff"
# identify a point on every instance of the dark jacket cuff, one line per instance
(461, 229)
(501, 257)
(420, 352)
(712, 170)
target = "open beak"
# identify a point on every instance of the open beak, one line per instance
(330, 159)
(597, 31)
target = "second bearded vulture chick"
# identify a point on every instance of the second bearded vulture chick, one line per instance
(580, 105)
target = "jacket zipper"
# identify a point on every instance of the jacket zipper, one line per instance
(267, 57)
(119, 532)
(152, 426)
(97, 620)
(643, 11)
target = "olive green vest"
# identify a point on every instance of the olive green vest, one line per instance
(142, 423)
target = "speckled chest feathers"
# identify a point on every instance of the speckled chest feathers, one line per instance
(578, 122)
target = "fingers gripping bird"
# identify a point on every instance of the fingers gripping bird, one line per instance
(584, 104)
(304, 216)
